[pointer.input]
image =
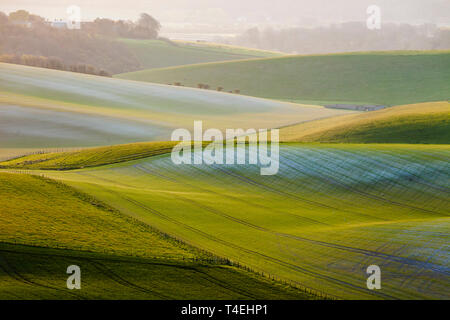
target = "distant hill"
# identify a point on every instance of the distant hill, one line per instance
(160, 54)
(418, 123)
(43, 108)
(386, 78)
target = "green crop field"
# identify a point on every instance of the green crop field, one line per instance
(418, 123)
(86, 178)
(39, 273)
(91, 157)
(48, 226)
(390, 78)
(329, 213)
(42, 108)
(159, 54)
(40, 211)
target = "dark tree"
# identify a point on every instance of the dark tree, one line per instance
(19, 15)
(150, 25)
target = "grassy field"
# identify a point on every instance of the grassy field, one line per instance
(160, 54)
(391, 78)
(11, 153)
(353, 189)
(424, 123)
(39, 273)
(89, 157)
(47, 226)
(330, 212)
(42, 108)
(40, 211)
(417, 123)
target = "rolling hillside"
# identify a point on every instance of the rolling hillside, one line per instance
(39, 273)
(91, 157)
(418, 123)
(42, 108)
(390, 78)
(48, 226)
(331, 211)
(39, 211)
(160, 54)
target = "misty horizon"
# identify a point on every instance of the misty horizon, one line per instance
(237, 15)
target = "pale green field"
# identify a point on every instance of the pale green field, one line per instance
(387, 78)
(330, 212)
(42, 108)
(160, 54)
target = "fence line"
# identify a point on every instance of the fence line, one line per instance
(214, 260)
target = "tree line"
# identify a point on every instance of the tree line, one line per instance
(51, 63)
(346, 37)
(29, 39)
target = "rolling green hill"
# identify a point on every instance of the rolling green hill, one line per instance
(48, 226)
(160, 54)
(91, 157)
(39, 211)
(390, 78)
(39, 273)
(42, 108)
(329, 213)
(418, 123)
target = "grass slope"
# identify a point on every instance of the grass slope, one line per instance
(89, 157)
(159, 54)
(330, 212)
(48, 108)
(418, 123)
(39, 211)
(39, 273)
(390, 78)
(120, 258)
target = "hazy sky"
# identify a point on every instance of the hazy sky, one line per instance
(229, 12)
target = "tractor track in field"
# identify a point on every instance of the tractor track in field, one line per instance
(438, 170)
(131, 285)
(302, 239)
(95, 262)
(13, 276)
(324, 176)
(333, 181)
(13, 273)
(385, 165)
(398, 259)
(292, 196)
(122, 281)
(149, 171)
(219, 283)
(252, 252)
(98, 265)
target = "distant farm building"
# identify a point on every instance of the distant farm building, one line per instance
(356, 107)
(60, 24)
